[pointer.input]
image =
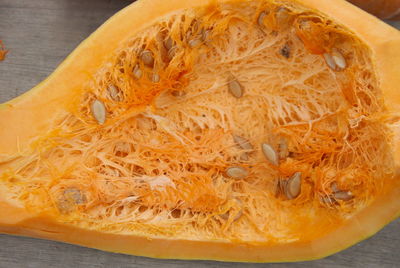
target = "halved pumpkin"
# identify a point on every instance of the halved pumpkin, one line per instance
(227, 130)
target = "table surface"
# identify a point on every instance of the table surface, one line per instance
(40, 34)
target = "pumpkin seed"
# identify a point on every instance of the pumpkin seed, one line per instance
(114, 93)
(261, 17)
(137, 72)
(239, 213)
(235, 88)
(169, 43)
(147, 58)
(155, 78)
(343, 195)
(329, 61)
(293, 186)
(99, 111)
(242, 142)
(236, 172)
(270, 153)
(195, 42)
(339, 60)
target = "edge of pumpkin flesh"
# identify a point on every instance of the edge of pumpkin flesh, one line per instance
(61, 87)
(361, 226)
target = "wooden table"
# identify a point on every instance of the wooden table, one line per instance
(40, 34)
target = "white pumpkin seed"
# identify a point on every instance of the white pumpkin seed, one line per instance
(242, 142)
(114, 93)
(236, 172)
(293, 186)
(155, 78)
(343, 195)
(195, 42)
(137, 72)
(99, 111)
(260, 20)
(329, 61)
(169, 43)
(270, 154)
(339, 60)
(235, 88)
(238, 214)
(147, 58)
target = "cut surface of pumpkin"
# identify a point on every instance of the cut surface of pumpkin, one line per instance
(227, 130)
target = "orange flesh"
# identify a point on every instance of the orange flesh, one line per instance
(3, 51)
(157, 166)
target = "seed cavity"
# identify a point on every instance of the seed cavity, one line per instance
(137, 72)
(270, 154)
(147, 58)
(99, 111)
(236, 172)
(293, 186)
(235, 88)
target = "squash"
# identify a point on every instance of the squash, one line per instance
(384, 9)
(235, 130)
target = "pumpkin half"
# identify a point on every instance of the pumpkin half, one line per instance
(227, 130)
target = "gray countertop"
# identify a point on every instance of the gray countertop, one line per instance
(40, 34)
